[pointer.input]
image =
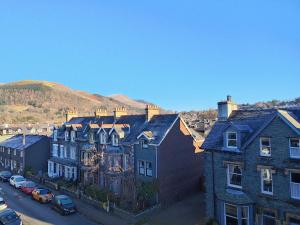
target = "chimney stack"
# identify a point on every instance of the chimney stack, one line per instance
(120, 111)
(24, 138)
(225, 108)
(71, 114)
(151, 110)
(100, 112)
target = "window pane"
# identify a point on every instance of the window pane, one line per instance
(244, 211)
(265, 141)
(268, 220)
(244, 221)
(295, 177)
(231, 135)
(231, 210)
(231, 221)
(294, 221)
(267, 180)
(294, 143)
(232, 143)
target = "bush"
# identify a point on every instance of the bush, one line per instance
(97, 193)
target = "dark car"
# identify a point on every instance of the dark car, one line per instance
(64, 205)
(5, 175)
(9, 217)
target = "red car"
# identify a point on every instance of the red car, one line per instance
(27, 187)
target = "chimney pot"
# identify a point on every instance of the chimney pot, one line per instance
(151, 110)
(225, 108)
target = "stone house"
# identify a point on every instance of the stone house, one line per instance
(113, 150)
(22, 152)
(252, 166)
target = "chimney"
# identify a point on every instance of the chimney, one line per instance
(225, 108)
(71, 114)
(151, 110)
(100, 112)
(120, 111)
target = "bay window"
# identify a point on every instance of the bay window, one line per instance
(236, 215)
(295, 185)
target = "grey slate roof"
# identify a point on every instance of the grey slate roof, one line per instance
(158, 125)
(16, 142)
(253, 119)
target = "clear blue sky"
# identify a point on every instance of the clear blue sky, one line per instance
(181, 55)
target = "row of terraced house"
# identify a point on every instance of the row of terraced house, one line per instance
(117, 151)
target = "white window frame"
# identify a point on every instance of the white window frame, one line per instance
(294, 148)
(144, 143)
(238, 213)
(102, 138)
(149, 171)
(230, 139)
(73, 136)
(55, 150)
(15, 152)
(55, 135)
(115, 140)
(228, 176)
(62, 151)
(298, 186)
(268, 216)
(21, 154)
(141, 168)
(66, 135)
(262, 182)
(261, 147)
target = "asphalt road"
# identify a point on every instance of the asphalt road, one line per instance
(34, 213)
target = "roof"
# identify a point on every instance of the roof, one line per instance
(129, 127)
(252, 123)
(16, 142)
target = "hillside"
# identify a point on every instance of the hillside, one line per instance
(43, 101)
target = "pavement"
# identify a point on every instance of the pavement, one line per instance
(34, 213)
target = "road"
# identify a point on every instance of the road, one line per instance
(34, 213)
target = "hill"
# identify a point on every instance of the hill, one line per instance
(44, 101)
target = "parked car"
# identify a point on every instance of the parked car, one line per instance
(42, 195)
(16, 181)
(5, 175)
(3, 204)
(27, 187)
(63, 204)
(9, 217)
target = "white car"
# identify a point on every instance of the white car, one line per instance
(16, 181)
(3, 204)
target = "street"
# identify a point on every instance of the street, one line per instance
(34, 213)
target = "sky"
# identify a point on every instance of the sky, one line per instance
(181, 55)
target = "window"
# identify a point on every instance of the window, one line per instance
(102, 138)
(55, 150)
(295, 185)
(73, 153)
(126, 161)
(234, 176)
(144, 143)
(141, 167)
(62, 151)
(295, 148)
(8, 151)
(115, 140)
(15, 152)
(266, 181)
(269, 218)
(91, 137)
(21, 154)
(231, 140)
(66, 135)
(73, 135)
(55, 135)
(149, 169)
(231, 215)
(265, 147)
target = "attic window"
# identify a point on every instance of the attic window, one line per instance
(102, 138)
(231, 140)
(144, 143)
(115, 140)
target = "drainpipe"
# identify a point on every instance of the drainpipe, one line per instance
(214, 189)
(156, 171)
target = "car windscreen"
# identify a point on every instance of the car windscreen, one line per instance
(20, 179)
(9, 217)
(44, 192)
(66, 201)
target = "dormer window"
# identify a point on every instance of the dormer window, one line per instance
(231, 140)
(73, 135)
(91, 138)
(102, 138)
(295, 148)
(66, 135)
(144, 143)
(265, 146)
(115, 140)
(55, 135)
